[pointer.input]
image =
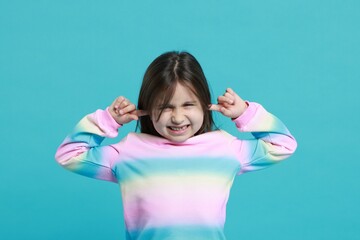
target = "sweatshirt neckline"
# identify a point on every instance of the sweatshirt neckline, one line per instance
(198, 139)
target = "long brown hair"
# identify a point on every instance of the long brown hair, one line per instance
(159, 83)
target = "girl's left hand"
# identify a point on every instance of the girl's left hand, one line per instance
(229, 104)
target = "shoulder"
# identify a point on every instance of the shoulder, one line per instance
(136, 146)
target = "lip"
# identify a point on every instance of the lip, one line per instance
(180, 130)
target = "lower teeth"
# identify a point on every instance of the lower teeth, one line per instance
(177, 129)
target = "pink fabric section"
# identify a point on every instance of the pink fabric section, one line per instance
(152, 147)
(106, 122)
(244, 118)
(176, 204)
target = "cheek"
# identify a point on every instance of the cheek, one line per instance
(201, 119)
(159, 121)
(198, 116)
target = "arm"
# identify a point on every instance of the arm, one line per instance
(273, 142)
(81, 151)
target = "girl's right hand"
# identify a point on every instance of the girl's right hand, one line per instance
(123, 111)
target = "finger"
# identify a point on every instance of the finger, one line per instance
(230, 96)
(125, 103)
(117, 105)
(127, 109)
(226, 111)
(232, 93)
(215, 107)
(117, 102)
(219, 108)
(223, 99)
(132, 117)
(226, 105)
(229, 90)
(114, 106)
(140, 113)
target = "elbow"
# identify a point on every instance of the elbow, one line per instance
(292, 145)
(283, 151)
(67, 154)
(66, 158)
(287, 147)
(64, 153)
(68, 161)
(61, 158)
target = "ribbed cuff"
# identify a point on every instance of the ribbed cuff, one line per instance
(246, 116)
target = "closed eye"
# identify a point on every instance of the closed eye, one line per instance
(189, 104)
(163, 107)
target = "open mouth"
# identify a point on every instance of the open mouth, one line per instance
(178, 129)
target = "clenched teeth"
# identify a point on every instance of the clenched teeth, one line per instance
(178, 128)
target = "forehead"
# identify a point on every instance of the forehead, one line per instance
(183, 93)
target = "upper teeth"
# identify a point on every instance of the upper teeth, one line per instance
(178, 128)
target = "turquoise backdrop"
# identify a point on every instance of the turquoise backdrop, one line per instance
(60, 60)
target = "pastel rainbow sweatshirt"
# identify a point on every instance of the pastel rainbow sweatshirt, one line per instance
(175, 191)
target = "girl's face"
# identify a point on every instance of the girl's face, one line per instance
(181, 118)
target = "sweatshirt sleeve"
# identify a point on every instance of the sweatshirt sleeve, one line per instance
(272, 140)
(81, 152)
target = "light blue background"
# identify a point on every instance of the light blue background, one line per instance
(60, 60)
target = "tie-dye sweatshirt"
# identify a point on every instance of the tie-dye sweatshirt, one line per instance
(173, 190)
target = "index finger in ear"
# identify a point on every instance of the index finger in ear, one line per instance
(215, 107)
(141, 113)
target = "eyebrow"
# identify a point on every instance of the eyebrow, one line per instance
(165, 105)
(171, 105)
(190, 102)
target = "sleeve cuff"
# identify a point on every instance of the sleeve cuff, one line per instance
(246, 117)
(110, 121)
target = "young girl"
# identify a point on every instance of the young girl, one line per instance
(176, 175)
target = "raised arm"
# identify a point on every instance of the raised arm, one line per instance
(273, 141)
(81, 152)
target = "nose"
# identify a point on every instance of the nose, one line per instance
(177, 117)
